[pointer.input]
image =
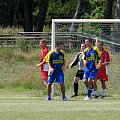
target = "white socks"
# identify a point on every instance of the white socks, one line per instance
(95, 93)
(103, 92)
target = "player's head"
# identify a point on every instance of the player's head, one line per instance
(42, 43)
(88, 42)
(58, 46)
(100, 45)
(82, 46)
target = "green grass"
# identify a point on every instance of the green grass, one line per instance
(18, 71)
(36, 108)
(22, 92)
(9, 30)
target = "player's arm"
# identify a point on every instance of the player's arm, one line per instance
(47, 60)
(63, 67)
(84, 58)
(38, 65)
(99, 57)
(44, 56)
(74, 62)
(107, 59)
(100, 62)
(45, 52)
(98, 53)
(106, 63)
(50, 67)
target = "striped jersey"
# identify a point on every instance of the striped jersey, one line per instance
(92, 56)
(56, 60)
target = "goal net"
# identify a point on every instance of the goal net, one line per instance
(72, 32)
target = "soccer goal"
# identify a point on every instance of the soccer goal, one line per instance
(72, 32)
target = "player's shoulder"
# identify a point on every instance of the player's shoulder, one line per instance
(86, 49)
(95, 48)
(45, 49)
(50, 52)
(80, 53)
(62, 51)
(105, 52)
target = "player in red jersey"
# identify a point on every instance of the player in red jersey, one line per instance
(102, 72)
(43, 66)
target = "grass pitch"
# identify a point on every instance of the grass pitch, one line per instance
(36, 108)
(22, 93)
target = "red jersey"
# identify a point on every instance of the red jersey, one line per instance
(102, 72)
(44, 52)
(106, 58)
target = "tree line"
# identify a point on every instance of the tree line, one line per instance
(33, 15)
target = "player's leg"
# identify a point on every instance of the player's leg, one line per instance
(52, 90)
(103, 80)
(81, 74)
(63, 91)
(91, 77)
(89, 89)
(103, 89)
(95, 75)
(85, 80)
(45, 77)
(60, 79)
(49, 90)
(51, 78)
(76, 79)
(78, 76)
(90, 86)
(95, 93)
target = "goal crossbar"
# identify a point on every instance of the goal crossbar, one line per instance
(86, 20)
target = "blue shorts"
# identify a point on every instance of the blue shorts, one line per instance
(90, 74)
(56, 77)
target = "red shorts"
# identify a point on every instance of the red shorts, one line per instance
(45, 76)
(102, 77)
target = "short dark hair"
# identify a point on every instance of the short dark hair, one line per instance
(89, 39)
(57, 44)
(43, 40)
(101, 42)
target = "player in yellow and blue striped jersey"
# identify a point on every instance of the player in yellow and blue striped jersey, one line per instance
(90, 57)
(56, 62)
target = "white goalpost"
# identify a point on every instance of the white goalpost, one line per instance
(104, 22)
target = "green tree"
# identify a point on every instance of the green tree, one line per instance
(78, 13)
(28, 18)
(42, 8)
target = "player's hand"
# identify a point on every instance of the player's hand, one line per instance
(52, 70)
(99, 65)
(38, 65)
(85, 62)
(69, 66)
(63, 68)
